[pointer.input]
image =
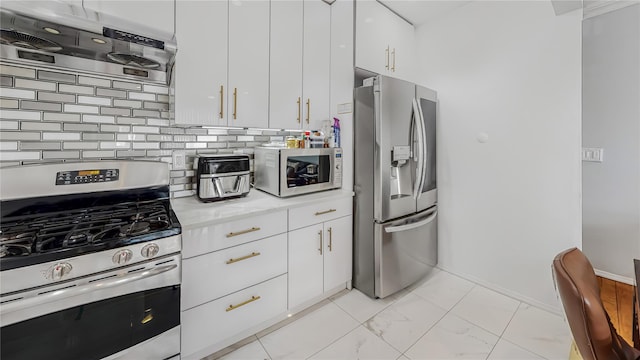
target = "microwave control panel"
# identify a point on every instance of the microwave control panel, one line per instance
(337, 165)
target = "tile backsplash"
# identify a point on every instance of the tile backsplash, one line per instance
(57, 116)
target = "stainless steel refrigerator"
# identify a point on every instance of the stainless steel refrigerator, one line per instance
(395, 231)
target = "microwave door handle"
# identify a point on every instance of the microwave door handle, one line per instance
(425, 149)
(417, 190)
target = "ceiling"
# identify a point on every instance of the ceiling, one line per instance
(419, 12)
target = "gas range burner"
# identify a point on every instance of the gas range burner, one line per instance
(109, 226)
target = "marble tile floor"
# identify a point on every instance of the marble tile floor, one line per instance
(441, 317)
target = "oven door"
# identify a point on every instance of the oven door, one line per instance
(306, 170)
(136, 312)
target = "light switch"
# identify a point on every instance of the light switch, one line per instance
(593, 154)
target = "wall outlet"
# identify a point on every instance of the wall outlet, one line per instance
(593, 154)
(179, 161)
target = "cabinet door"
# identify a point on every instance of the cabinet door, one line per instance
(306, 248)
(248, 100)
(285, 87)
(156, 15)
(316, 63)
(338, 249)
(402, 50)
(201, 63)
(372, 37)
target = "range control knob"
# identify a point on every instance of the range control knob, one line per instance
(58, 271)
(122, 257)
(150, 250)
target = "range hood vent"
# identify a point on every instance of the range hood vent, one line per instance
(54, 34)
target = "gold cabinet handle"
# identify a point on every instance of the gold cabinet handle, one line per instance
(253, 254)
(393, 53)
(221, 101)
(299, 108)
(235, 103)
(233, 307)
(308, 109)
(232, 234)
(325, 212)
(320, 248)
(330, 239)
(386, 65)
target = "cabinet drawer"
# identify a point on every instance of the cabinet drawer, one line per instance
(220, 236)
(319, 212)
(211, 323)
(216, 274)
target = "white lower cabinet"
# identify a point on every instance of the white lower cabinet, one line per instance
(210, 323)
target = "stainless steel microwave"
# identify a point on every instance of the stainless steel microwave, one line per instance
(287, 172)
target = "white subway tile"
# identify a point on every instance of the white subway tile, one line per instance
(8, 103)
(94, 100)
(98, 154)
(141, 96)
(146, 129)
(8, 145)
(61, 154)
(115, 128)
(86, 90)
(86, 80)
(40, 126)
(127, 103)
(80, 145)
(19, 155)
(131, 137)
(61, 136)
(17, 93)
(126, 85)
(81, 109)
(158, 122)
(19, 115)
(9, 125)
(245, 138)
(115, 145)
(142, 145)
(19, 135)
(156, 89)
(35, 84)
(196, 145)
(61, 117)
(102, 119)
(17, 71)
(207, 138)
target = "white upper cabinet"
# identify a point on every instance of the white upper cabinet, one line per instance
(300, 64)
(285, 87)
(201, 63)
(155, 15)
(316, 67)
(222, 64)
(248, 98)
(384, 41)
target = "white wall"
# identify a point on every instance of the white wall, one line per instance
(342, 81)
(510, 70)
(611, 113)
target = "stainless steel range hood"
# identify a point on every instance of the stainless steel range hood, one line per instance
(56, 34)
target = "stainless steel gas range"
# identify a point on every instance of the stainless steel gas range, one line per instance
(89, 262)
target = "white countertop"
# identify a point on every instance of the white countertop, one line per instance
(193, 213)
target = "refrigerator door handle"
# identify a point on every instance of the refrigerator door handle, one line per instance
(392, 229)
(424, 154)
(417, 188)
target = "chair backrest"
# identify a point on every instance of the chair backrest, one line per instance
(590, 325)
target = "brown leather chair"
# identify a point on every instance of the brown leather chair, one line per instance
(590, 325)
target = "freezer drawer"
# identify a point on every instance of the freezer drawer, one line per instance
(405, 251)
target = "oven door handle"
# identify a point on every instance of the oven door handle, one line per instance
(82, 289)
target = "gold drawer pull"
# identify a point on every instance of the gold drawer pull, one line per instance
(233, 307)
(325, 212)
(299, 108)
(330, 239)
(232, 234)
(253, 254)
(221, 101)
